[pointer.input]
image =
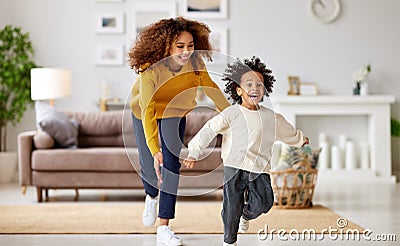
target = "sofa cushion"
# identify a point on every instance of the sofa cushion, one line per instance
(98, 123)
(76, 179)
(121, 180)
(63, 129)
(84, 159)
(111, 159)
(290, 155)
(102, 129)
(115, 128)
(100, 141)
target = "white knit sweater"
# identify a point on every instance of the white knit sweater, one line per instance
(248, 137)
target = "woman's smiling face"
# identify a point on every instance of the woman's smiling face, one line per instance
(182, 48)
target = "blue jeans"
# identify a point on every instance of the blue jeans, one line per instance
(259, 198)
(171, 133)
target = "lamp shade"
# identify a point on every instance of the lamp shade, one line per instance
(50, 83)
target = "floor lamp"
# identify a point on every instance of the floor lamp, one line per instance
(50, 84)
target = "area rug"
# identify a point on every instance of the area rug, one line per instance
(196, 218)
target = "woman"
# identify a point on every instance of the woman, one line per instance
(168, 56)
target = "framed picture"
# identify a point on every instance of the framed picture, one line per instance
(110, 23)
(110, 55)
(308, 88)
(146, 13)
(205, 9)
(294, 85)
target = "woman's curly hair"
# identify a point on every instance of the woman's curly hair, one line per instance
(234, 72)
(155, 41)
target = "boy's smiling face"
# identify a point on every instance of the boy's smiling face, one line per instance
(251, 89)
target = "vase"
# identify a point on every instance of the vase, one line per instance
(356, 90)
(364, 88)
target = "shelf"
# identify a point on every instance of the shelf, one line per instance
(375, 108)
(334, 99)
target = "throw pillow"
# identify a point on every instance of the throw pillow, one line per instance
(292, 155)
(55, 123)
(42, 140)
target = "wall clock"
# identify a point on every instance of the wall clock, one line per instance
(325, 10)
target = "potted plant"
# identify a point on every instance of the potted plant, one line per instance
(16, 52)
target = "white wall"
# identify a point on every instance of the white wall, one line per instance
(283, 33)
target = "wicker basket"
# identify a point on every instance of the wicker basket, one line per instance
(294, 188)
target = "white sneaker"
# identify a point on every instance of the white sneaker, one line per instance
(167, 237)
(150, 211)
(227, 244)
(243, 224)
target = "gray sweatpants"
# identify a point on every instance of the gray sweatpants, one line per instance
(259, 199)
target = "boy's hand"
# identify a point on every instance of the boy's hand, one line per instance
(307, 141)
(189, 162)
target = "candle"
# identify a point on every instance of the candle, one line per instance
(350, 156)
(342, 141)
(342, 145)
(324, 155)
(336, 157)
(364, 155)
(322, 138)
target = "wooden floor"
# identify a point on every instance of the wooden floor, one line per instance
(375, 207)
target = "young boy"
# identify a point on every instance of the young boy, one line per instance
(249, 131)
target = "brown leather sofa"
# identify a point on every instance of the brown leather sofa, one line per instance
(107, 156)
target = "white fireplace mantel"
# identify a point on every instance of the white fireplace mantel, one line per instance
(375, 107)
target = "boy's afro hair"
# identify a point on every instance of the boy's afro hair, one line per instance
(233, 74)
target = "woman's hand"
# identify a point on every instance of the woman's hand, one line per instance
(158, 161)
(189, 162)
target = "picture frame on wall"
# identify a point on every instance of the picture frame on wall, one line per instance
(110, 23)
(109, 55)
(205, 9)
(146, 13)
(294, 85)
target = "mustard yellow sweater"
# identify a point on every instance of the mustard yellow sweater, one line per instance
(159, 93)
